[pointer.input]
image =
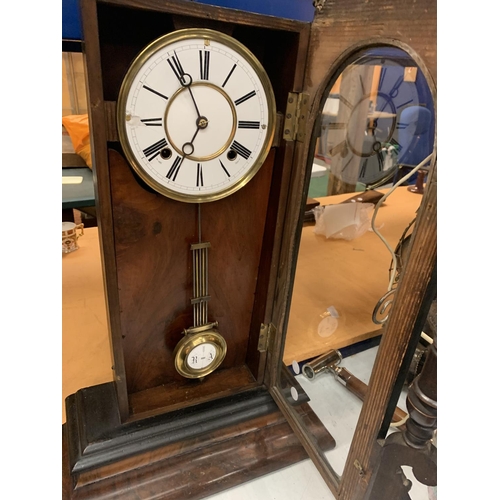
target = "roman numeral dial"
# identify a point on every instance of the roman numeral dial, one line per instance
(204, 64)
(199, 176)
(241, 150)
(176, 66)
(154, 150)
(151, 122)
(248, 124)
(196, 115)
(244, 98)
(174, 169)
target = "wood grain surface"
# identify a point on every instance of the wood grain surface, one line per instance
(179, 471)
(153, 235)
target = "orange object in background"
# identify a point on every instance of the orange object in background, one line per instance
(77, 127)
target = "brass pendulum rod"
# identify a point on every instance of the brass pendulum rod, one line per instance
(200, 278)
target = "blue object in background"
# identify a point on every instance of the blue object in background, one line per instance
(299, 10)
(415, 139)
(71, 24)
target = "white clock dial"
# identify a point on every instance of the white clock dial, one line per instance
(196, 115)
(201, 356)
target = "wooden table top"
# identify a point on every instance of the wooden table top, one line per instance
(351, 276)
(86, 350)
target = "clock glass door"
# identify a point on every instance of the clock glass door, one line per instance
(375, 143)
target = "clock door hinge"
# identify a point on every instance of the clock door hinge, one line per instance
(295, 116)
(267, 332)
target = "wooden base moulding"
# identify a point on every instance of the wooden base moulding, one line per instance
(227, 443)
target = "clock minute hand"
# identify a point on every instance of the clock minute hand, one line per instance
(185, 79)
(201, 121)
(194, 101)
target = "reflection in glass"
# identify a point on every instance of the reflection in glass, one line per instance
(376, 138)
(74, 94)
(378, 119)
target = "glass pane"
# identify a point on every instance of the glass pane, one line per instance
(367, 179)
(74, 93)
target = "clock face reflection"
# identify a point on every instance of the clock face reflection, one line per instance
(196, 115)
(379, 114)
(379, 125)
(201, 356)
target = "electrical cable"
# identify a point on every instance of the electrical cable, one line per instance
(378, 205)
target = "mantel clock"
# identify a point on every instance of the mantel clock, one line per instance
(201, 119)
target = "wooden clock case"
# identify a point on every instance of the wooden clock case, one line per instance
(151, 430)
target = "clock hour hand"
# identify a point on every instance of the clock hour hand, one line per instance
(188, 147)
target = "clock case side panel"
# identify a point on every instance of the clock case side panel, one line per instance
(143, 387)
(99, 135)
(339, 30)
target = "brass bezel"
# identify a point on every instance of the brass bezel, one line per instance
(189, 342)
(140, 60)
